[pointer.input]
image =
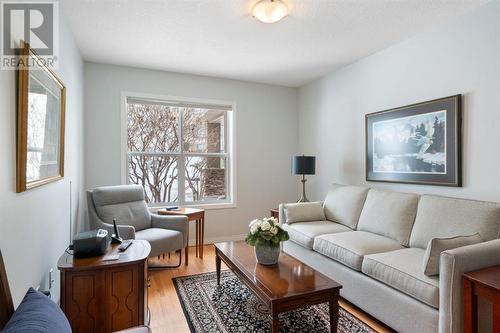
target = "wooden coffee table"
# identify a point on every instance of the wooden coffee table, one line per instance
(286, 286)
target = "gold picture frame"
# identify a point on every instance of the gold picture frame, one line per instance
(40, 122)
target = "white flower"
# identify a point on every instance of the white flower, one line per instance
(254, 222)
(274, 230)
(254, 228)
(265, 226)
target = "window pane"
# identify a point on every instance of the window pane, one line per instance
(203, 130)
(158, 176)
(205, 178)
(152, 128)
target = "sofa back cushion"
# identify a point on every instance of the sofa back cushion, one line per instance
(389, 214)
(304, 212)
(133, 213)
(439, 217)
(343, 204)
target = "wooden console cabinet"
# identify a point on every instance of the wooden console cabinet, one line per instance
(106, 296)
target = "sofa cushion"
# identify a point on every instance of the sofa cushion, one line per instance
(37, 313)
(402, 270)
(343, 204)
(446, 217)
(303, 233)
(304, 211)
(389, 214)
(349, 248)
(438, 245)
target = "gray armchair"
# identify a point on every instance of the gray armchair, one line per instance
(126, 204)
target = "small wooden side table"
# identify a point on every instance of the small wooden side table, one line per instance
(106, 296)
(275, 213)
(193, 214)
(481, 283)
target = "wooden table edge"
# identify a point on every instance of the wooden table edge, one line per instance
(231, 265)
(63, 266)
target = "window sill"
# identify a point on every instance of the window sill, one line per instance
(206, 206)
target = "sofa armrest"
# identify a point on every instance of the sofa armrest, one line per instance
(282, 217)
(172, 222)
(453, 263)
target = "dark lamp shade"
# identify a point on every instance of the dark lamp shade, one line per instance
(303, 165)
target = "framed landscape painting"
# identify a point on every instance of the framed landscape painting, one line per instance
(417, 144)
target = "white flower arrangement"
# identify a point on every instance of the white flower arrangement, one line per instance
(266, 232)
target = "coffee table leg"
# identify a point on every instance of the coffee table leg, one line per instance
(274, 320)
(274, 324)
(217, 267)
(334, 312)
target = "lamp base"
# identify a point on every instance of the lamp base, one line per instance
(303, 198)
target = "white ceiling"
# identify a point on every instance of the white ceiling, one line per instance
(220, 38)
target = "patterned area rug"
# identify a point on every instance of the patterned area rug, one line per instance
(232, 308)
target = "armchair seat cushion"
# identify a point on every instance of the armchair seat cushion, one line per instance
(303, 233)
(349, 248)
(161, 240)
(402, 270)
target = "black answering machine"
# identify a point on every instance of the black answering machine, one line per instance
(91, 243)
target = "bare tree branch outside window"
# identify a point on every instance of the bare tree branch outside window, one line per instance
(157, 157)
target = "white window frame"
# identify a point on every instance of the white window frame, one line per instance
(230, 151)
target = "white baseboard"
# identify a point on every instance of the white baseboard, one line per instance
(211, 240)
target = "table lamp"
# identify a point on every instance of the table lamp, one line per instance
(303, 165)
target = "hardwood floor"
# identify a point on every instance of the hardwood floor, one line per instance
(166, 311)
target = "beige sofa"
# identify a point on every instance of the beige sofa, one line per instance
(373, 242)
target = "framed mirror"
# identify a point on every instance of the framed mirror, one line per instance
(40, 123)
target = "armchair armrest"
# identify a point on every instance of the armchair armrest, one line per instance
(453, 263)
(172, 222)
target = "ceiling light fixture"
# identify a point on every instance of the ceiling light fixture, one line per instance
(269, 11)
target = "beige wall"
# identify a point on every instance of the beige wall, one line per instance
(459, 57)
(34, 225)
(266, 136)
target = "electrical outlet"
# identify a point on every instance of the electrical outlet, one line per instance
(51, 279)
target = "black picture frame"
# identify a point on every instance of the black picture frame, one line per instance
(416, 144)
